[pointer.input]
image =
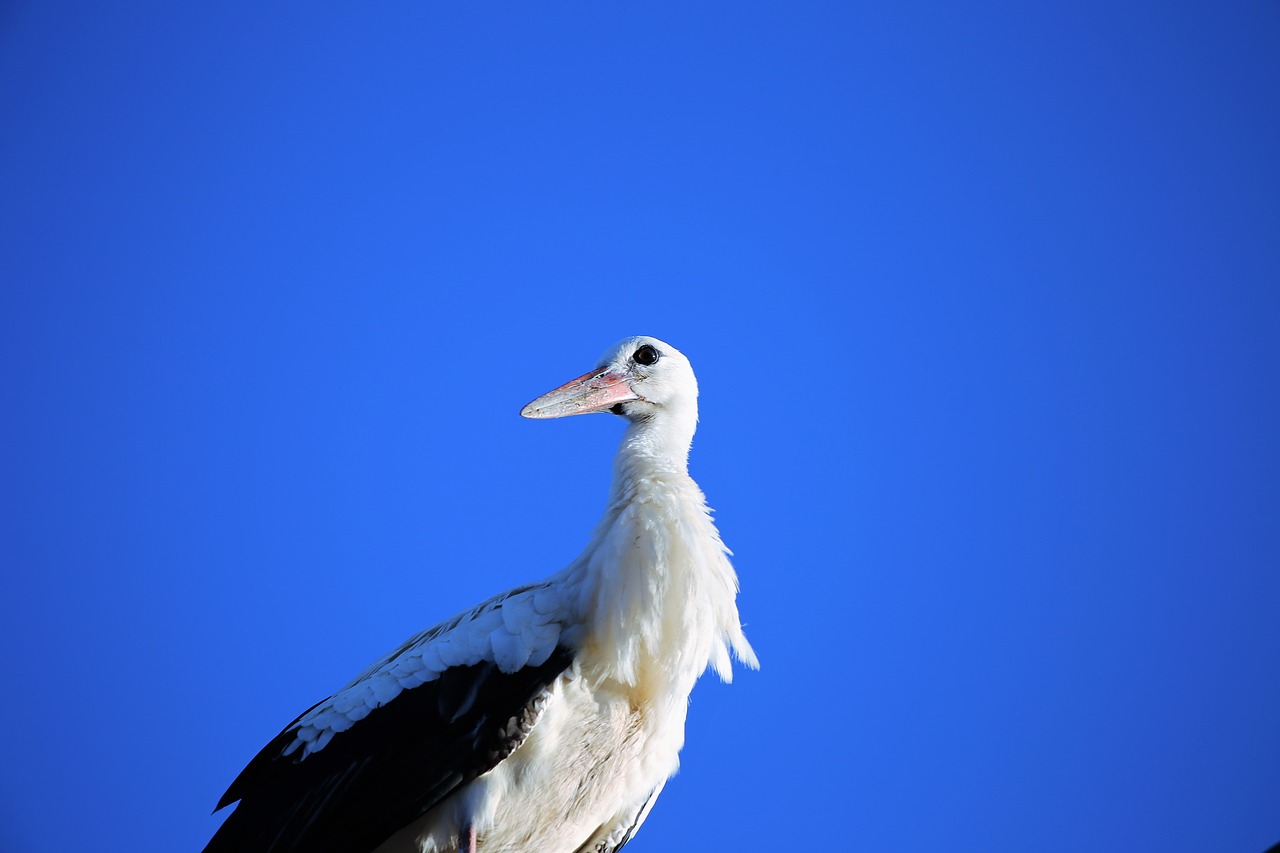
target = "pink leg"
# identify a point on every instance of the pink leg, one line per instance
(468, 841)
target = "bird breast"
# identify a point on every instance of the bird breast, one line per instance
(654, 589)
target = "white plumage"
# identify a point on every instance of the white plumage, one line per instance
(549, 717)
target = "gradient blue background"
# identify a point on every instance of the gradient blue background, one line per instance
(984, 300)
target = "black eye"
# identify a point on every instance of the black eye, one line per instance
(646, 355)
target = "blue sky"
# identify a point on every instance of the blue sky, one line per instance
(983, 299)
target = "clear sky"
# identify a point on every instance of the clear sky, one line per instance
(984, 300)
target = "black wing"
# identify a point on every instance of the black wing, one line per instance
(390, 768)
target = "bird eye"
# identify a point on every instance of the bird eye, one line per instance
(646, 355)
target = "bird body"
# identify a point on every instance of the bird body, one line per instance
(549, 717)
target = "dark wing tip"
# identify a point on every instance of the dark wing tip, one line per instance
(392, 767)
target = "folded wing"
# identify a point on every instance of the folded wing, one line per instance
(443, 709)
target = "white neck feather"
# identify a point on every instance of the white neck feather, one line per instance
(656, 589)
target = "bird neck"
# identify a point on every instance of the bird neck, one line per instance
(654, 447)
(656, 591)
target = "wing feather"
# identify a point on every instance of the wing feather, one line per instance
(444, 708)
(373, 780)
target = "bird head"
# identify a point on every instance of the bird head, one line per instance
(639, 378)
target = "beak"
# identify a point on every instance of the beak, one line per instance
(596, 391)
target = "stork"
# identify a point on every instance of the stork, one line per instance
(549, 717)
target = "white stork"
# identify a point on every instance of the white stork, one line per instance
(549, 717)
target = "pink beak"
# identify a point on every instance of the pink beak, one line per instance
(596, 391)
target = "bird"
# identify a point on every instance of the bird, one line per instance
(549, 717)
